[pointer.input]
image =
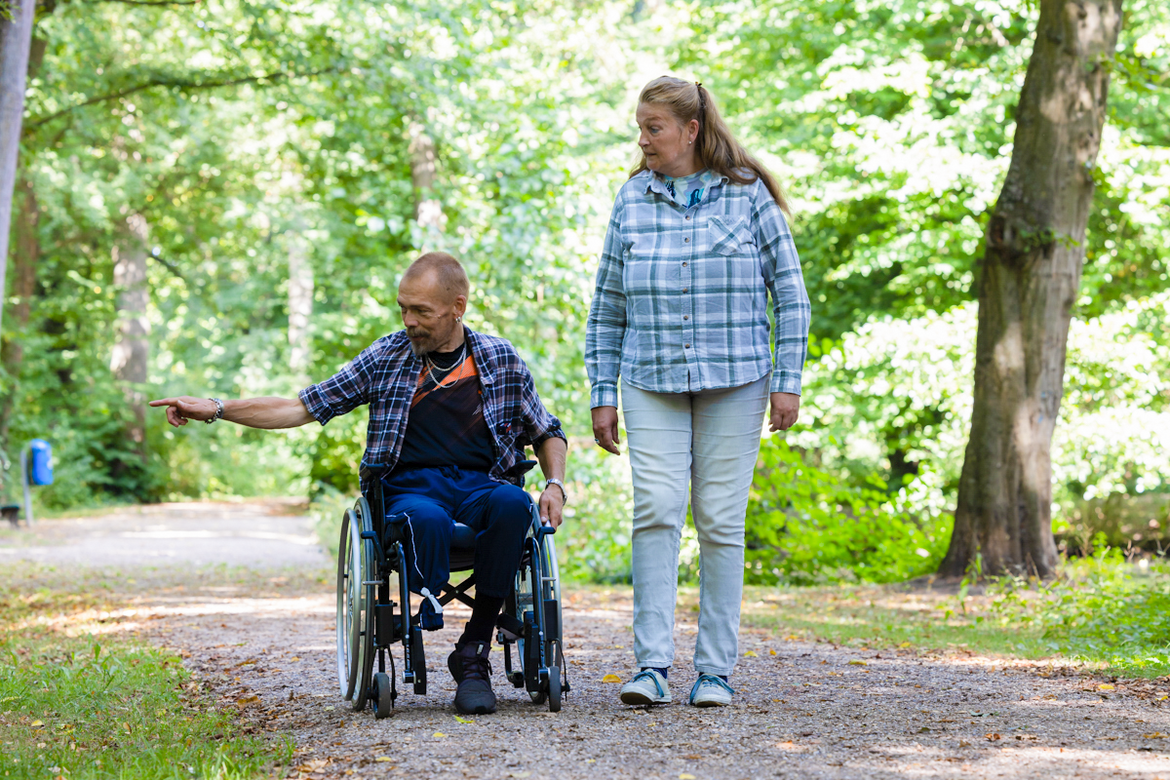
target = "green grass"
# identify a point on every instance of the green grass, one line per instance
(103, 707)
(1104, 612)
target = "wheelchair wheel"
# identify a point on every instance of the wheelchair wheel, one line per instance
(537, 604)
(367, 582)
(383, 701)
(554, 689)
(348, 598)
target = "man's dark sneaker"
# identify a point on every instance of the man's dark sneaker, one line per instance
(470, 667)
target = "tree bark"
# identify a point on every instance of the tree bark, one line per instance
(15, 41)
(428, 211)
(24, 278)
(300, 301)
(132, 350)
(1028, 282)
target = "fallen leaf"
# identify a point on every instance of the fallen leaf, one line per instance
(992, 737)
(295, 658)
(611, 678)
(438, 735)
(905, 644)
(36, 724)
(856, 662)
(964, 743)
(383, 759)
(520, 774)
(1155, 735)
(771, 652)
(751, 654)
(463, 720)
(685, 776)
(1105, 687)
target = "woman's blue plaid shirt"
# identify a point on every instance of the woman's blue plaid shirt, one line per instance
(681, 303)
(385, 376)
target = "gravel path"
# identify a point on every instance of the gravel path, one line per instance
(804, 710)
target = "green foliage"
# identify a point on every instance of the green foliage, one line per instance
(1103, 609)
(238, 130)
(805, 525)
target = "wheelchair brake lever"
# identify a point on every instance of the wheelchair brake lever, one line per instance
(544, 530)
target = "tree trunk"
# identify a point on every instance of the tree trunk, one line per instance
(24, 266)
(428, 211)
(132, 350)
(15, 41)
(1028, 283)
(300, 301)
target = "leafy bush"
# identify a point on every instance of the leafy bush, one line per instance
(807, 525)
(1101, 609)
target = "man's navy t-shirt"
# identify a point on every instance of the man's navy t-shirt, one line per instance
(446, 425)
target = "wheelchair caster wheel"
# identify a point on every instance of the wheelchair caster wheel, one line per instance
(383, 700)
(554, 689)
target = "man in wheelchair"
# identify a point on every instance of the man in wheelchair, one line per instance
(451, 411)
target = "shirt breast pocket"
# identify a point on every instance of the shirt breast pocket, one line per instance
(729, 235)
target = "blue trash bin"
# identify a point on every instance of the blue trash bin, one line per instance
(42, 462)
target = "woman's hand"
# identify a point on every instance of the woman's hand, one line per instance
(785, 410)
(605, 429)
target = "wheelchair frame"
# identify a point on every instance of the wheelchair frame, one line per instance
(370, 621)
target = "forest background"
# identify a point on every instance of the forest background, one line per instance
(218, 198)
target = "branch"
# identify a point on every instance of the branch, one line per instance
(149, 2)
(181, 83)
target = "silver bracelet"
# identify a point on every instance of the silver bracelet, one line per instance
(218, 410)
(561, 485)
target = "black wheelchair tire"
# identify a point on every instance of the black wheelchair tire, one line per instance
(366, 567)
(383, 703)
(554, 689)
(348, 656)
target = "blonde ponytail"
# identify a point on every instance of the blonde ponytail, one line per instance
(715, 147)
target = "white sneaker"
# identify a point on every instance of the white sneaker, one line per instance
(646, 687)
(710, 691)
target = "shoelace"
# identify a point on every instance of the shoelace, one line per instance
(476, 667)
(647, 674)
(710, 679)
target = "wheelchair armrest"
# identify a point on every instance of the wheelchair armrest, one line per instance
(373, 471)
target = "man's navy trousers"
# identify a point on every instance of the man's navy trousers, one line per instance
(429, 501)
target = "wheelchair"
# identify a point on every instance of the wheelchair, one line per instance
(370, 576)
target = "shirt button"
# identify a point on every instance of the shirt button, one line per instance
(688, 218)
(686, 346)
(685, 289)
(686, 316)
(686, 241)
(684, 265)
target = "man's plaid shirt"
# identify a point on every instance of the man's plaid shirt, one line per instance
(682, 293)
(385, 376)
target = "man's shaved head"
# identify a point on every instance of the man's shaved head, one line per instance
(447, 272)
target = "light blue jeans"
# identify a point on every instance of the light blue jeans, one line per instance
(711, 440)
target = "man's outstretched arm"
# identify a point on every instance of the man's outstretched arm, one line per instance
(253, 412)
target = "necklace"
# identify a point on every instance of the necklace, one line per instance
(439, 374)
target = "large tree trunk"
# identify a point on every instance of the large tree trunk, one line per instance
(300, 301)
(27, 252)
(132, 350)
(1027, 287)
(15, 41)
(428, 211)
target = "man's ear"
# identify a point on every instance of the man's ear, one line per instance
(460, 305)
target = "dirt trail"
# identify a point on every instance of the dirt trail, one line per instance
(803, 710)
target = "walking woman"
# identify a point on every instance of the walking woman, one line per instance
(696, 242)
